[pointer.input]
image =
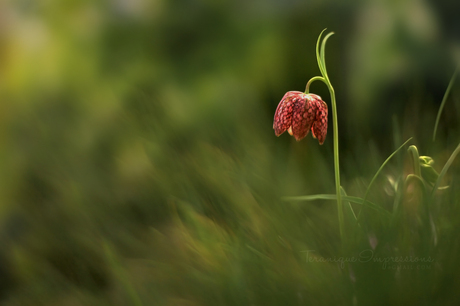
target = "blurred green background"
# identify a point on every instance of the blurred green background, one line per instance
(139, 166)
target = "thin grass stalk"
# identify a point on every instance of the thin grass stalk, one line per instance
(444, 99)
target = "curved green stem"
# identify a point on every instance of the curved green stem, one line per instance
(335, 124)
(317, 78)
(415, 160)
(320, 57)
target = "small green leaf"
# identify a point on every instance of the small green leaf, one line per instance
(429, 174)
(356, 200)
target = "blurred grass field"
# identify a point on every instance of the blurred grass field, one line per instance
(138, 163)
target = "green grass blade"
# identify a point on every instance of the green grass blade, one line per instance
(397, 199)
(444, 99)
(397, 140)
(349, 205)
(318, 57)
(444, 170)
(262, 255)
(322, 54)
(356, 200)
(378, 172)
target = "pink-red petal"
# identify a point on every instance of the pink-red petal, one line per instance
(319, 128)
(303, 117)
(283, 115)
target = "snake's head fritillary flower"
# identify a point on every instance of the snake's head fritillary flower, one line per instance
(298, 112)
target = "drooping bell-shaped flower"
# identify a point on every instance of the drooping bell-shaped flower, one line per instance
(298, 112)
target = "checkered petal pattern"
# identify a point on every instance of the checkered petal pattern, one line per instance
(298, 112)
